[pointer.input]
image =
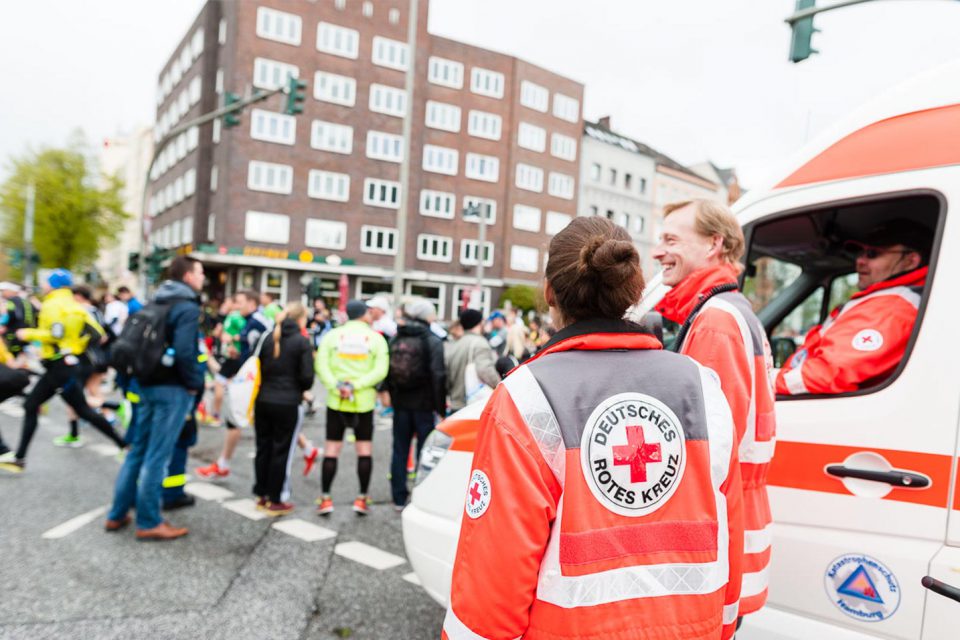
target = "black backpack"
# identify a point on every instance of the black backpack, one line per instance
(138, 349)
(408, 362)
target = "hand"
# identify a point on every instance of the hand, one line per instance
(385, 399)
(22, 335)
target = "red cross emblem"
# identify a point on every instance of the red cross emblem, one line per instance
(866, 339)
(475, 493)
(636, 453)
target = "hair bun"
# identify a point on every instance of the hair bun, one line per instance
(611, 261)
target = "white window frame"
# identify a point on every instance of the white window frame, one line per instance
(488, 205)
(334, 88)
(384, 146)
(482, 124)
(430, 197)
(458, 290)
(267, 227)
(272, 74)
(257, 172)
(338, 41)
(391, 101)
(482, 167)
(325, 229)
(527, 218)
(445, 73)
(486, 82)
(529, 177)
(388, 188)
(331, 136)
(442, 160)
(285, 124)
(566, 108)
(532, 137)
(429, 241)
(534, 96)
(284, 34)
(318, 180)
(442, 116)
(391, 54)
(563, 147)
(556, 222)
(439, 301)
(520, 255)
(189, 183)
(561, 185)
(387, 232)
(214, 177)
(469, 252)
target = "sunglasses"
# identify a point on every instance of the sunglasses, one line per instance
(870, 253)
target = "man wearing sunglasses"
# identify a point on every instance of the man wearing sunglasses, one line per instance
(863, 340)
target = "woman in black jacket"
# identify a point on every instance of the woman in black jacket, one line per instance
(286, 372)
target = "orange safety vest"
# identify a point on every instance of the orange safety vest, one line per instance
(861, 343)
(726, 336)
(604, 499)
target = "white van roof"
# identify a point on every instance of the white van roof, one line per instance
(920, 118)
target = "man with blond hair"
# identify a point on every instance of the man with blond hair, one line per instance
(700, 250)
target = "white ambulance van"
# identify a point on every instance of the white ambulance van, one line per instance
(864, 486)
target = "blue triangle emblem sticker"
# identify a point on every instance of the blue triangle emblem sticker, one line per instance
(859, 585)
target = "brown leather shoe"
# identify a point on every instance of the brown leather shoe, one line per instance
(116, 525)
(163, 531)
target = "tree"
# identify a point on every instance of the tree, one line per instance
(76, 210)
(523, 297)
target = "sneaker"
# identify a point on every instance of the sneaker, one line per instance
(186, 500)
(309, 459)
(73, 442)
(212, 471)
(361, 506)
(326, 506)
(12, 466)
(213, 421)
(276, 509)
(262, 503)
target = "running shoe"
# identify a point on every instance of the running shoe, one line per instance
(262, 503)
(73, 442)
(361, 506)
(276, 509)
(11, 465)
(326, 506)
(213, 421)
(309, 459)
(212, 471)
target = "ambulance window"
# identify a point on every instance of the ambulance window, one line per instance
(841, 289)
(765, 278)
(789, 334)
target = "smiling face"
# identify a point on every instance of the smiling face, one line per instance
(682, 250)
(886, 261)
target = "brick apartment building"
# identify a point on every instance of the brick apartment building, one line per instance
(285, 203)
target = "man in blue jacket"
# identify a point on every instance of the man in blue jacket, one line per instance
(166, 397)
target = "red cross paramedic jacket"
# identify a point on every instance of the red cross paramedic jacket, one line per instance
(862, 341)
(726, 336)
(604, 500)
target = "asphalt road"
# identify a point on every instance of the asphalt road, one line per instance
(301, 576)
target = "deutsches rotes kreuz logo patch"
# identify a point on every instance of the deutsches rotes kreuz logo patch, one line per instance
(868, 340)
(633, 454)
(478, 494)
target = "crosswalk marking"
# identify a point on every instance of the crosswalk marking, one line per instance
(71, 525)
(246, 508)
(12, 410)
(105, 449)
(412, 578)
(207, 491)
(304, 530)
(367, 555)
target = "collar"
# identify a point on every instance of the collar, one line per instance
(599, 335)
(62, 292)
(915, 278)
(681, 299)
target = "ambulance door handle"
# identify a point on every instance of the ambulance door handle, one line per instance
(896, 477)
(940, 588)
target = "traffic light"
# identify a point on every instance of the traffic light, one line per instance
(295, 95)
(231, 119)
(154, 264)
(133, 261)
(803, 31)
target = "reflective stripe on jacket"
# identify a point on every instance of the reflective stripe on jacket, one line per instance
(860, 344)
(604, 500)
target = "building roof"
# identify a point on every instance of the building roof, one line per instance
(599, 132)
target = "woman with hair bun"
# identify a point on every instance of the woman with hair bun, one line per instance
(604, 499)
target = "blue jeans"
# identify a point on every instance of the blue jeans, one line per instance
(162, 412)
(406, 424)
(176, 478)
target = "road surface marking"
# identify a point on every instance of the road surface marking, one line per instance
(370, 556)
(245, 507)
(12, 410)
(71, 525)
(207, 491)
(412, 579)
(304, 530)
(105, 449)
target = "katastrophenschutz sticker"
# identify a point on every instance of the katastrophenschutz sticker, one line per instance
(633, 454)
(862, 587)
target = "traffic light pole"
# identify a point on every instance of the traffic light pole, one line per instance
(257, 96)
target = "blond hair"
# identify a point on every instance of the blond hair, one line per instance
(714, 219)
(294, 311)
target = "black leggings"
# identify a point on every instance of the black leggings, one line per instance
(62, 378)
(276, 427)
